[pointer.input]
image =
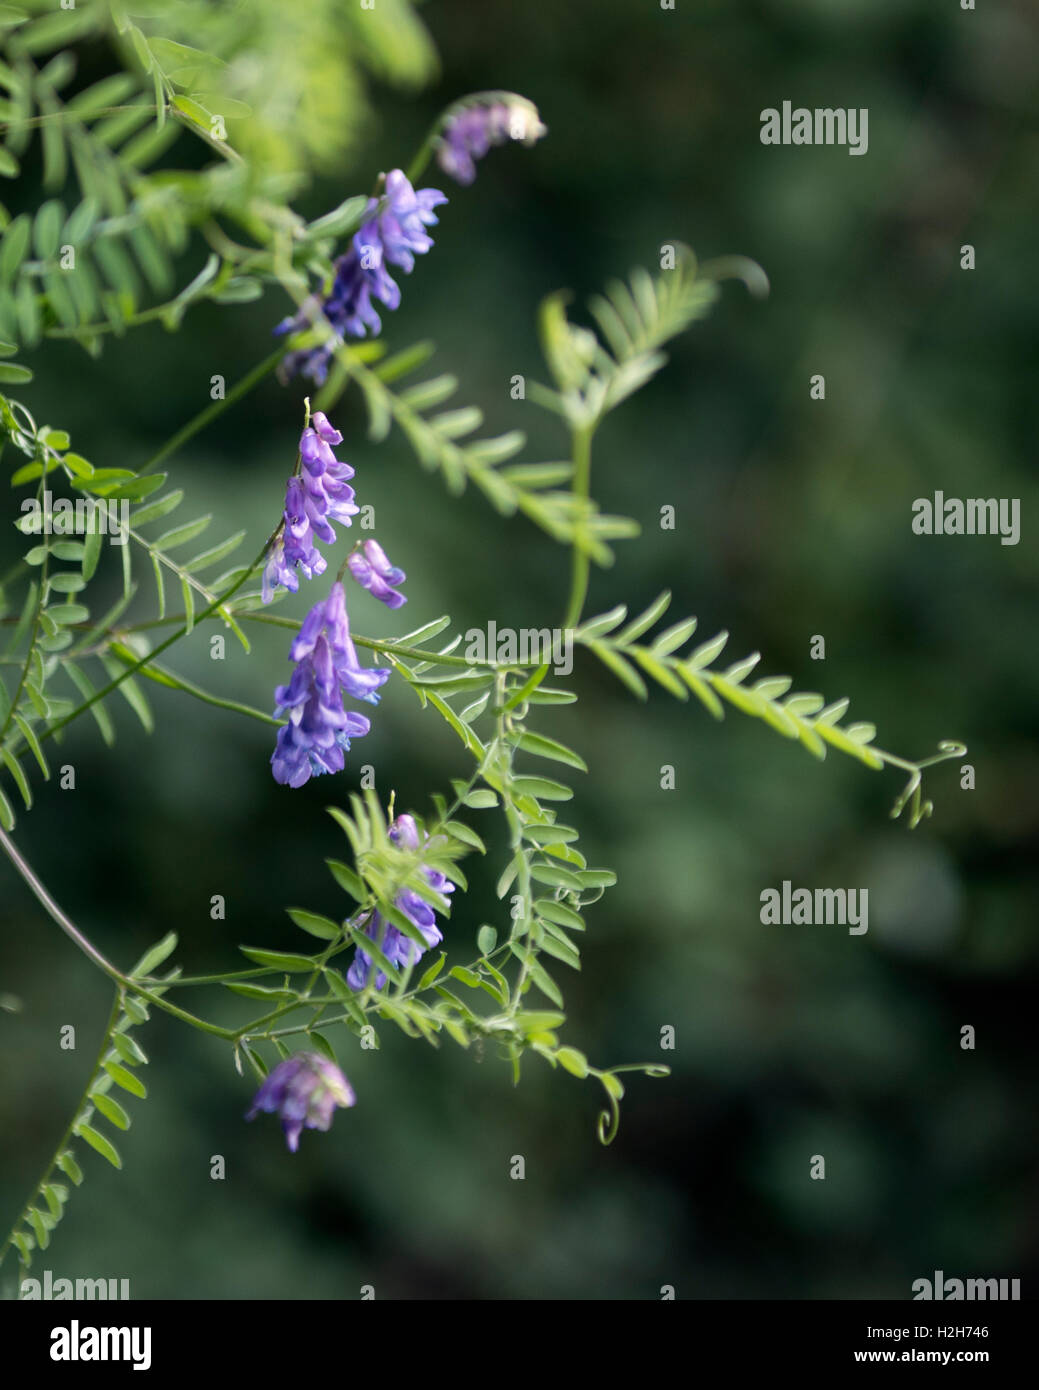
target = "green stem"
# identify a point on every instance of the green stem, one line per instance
(582, 455)
(331, 949)
(376, 644)
(174, 637)
(523, 882)
(213, 1029)
(161, 675)
(247, 1030)
(527, 688)
(374, 1003)
(515, 839)
(582, 460)
(134, 321)
(215, 408)
(488, 753)
(40, 598)
(425, 150)
(55, 913)
(125, 982)
(33, 122)
(231, 976)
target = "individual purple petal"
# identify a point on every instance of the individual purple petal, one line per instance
(327, 431)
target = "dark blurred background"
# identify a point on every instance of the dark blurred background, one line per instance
(793, 519)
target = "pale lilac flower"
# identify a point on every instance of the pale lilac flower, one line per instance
(401, 226)
(304, 1091)
(373, 571)
(470, 133)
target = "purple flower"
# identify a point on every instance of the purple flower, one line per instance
(373, 571)
(304, 1091)
(319, 729)
(470, 133)
(317, 496)
(287, 555)
(401, 227)
(394, 237)
(327, 495)
(398, 948)
(362, 682)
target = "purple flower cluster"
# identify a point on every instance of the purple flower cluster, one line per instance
(315, 497)
(304, 1091)
(318, 728)
(399, 949)
(392, 237)
(468, 135)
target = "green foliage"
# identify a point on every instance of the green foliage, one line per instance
(273, 93)
(117, 1063)
(55, 624)
(129, 228)
(805, 716)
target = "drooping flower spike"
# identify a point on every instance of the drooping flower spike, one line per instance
(304, 1091)
(398, 948)
(371, 568)
(315, 497)
(319, 729)
(327, 495)
(393, 236)
(471, 131)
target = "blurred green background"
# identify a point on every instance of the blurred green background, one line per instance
(793, 519)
